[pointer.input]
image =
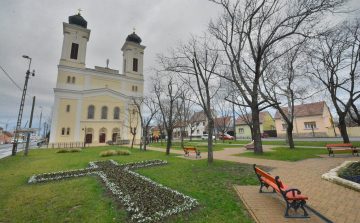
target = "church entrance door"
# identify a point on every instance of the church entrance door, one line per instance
(114, 137)
(88, 138)
(102, 138)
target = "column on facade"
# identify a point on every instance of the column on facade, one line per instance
(65, 45)
(83, 50)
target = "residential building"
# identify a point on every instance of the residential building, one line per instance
(6, 137)
(310, 120)
(224, 124)
(91, 104)
(243, 130)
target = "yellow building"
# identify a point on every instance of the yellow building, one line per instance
(95, 100)
(243, 130)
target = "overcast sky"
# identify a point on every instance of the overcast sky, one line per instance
(34, 28)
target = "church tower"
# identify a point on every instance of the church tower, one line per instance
(133, 56)
(76, 36)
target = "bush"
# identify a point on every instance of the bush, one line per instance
(123, 152)
(74, 150)
(230, 142)
(108, 153)
(62, 151)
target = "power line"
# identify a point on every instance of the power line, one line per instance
(13, 81)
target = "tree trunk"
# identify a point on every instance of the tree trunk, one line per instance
(290, 136)
(223, 139)
(182, 138)
(256, 131)
(168, 144)
(210, 141)
(132, 143)
(342, 127)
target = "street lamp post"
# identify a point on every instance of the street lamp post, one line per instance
(85, 137)
(21, 107)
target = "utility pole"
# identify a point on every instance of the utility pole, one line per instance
(40, 122)
(21, 107)
(28, 136)
(44, 129)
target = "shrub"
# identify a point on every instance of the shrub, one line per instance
(108, 153)
(62, 151)
(230, 142)
(123, 152)
(74, 150)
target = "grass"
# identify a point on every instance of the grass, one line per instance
(71, 150)
(281, 143)
(85, 199)
(287, 154)
(202, 146)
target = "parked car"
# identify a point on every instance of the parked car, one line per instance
(206, 136)
(226, 137)
(264, 135)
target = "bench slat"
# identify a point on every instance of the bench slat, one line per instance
(339, 145)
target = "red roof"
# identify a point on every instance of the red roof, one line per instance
(220, 121)
(310, 109)
(244, 119)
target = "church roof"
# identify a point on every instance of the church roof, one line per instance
(133, 38)
(78, 20)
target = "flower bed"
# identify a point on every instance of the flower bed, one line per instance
(144, 199)
(352, 173)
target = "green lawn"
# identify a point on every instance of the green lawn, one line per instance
(281, 143)
(85, 199)
(202, 146)
(287, 154)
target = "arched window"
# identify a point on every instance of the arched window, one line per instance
(136, 88)
(67, 108)
(63, 131)
(91, 110)
(73, 80)
(116, 113)
(68, 79)
(68, 131)
(104, 112)
(133, 88)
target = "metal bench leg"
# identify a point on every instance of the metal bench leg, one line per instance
(267, 186)
(296, 204)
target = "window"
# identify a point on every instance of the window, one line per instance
(136, 88)
(116, 113)
(124, 66)
(104, 112)
(203, 123)
(133, 88)
(73, 80)
(283, 126)
(63, 131)
(91, 110)
(74, 51)
(197, 131)
(310, 125)
(67, 108)
(68, 131)
(135, 64)
(68, 79)
(241, 131)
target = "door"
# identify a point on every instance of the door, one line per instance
(114, 137)
(88, 138)
(102, 138)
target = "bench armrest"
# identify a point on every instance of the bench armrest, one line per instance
(293, 191)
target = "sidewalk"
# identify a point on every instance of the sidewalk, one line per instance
(337, 203)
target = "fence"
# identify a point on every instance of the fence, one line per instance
(64, 145)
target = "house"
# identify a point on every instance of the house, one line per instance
(92, 104)
(6, 137)
(198, 123)
(243, 130)
(310, 120)
(224, 124)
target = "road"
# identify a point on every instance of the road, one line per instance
(5, 149)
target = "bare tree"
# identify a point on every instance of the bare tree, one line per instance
(160, 124)
(132, 122)
(355, 114)
(197, 62)
(193, 123)
(166, 93)
(335, 63)
(251, 31)
(225, 109)
(145, 120)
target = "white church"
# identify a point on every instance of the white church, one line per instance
(92, 104)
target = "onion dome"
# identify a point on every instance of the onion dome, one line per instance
(78, 20)
(133, 38)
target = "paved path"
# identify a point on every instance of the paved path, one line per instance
(337, 203)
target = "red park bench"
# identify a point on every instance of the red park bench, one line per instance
(352, 148)
(293, 197)
(188, 150)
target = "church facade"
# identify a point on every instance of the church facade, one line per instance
(93, 105)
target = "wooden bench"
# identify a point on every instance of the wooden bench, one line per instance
(188, 150)
(293, 197)
(352, 148)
